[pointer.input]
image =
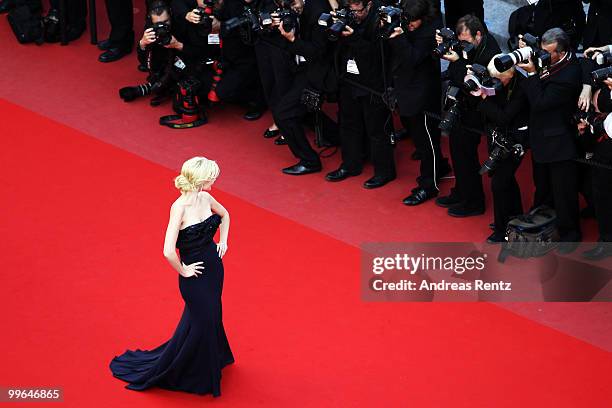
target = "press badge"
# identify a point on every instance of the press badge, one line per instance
(179, 63)
(213, 39)
(351, 67)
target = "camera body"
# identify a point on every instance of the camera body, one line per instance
(451, 113)
(335, 24)
(450, 42)
(206, 14)
(248, 24)
(288, 17)
(595, 120)
(390, 18)
(163, 34)
(478, 81)
(503, 147)
(540, 58)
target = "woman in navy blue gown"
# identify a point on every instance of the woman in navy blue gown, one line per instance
(192, 359)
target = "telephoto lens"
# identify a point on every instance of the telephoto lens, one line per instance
(506, 61)
(603, 59)
(600, 75)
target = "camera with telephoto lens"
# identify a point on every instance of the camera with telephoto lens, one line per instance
(390, 18)
(336, 24)
(600, 75)
(603, 60)
(450, 42)
(451, 114)
(540, 58)
(248, 24)
(163, 35)
(478, 81)
(503, 147)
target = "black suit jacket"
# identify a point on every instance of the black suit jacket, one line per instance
(364, 46)
(415, 72)
(599, 24)
(552, 103)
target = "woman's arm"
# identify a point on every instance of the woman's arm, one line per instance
(224, 227)
(176, 214)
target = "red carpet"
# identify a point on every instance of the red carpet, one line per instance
(83, 279)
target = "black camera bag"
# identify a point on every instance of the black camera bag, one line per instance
(531, 235)
(26, 21)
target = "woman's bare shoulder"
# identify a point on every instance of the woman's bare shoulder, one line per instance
(178, 204)
(205, 195)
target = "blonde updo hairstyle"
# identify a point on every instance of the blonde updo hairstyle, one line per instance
(195, 172)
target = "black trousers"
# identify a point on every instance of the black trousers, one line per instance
(240, 84)
(602, 196)
(76, 11)
(365, 120)
(425, 134)
(275, 71)
(121, 17)
(464, 155)
(455, 9)
(507, 201)
(557, 187)
(289, 117)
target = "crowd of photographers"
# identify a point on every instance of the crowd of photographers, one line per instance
(381, 58)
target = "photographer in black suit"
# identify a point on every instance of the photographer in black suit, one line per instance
(364, 117)
(595, 127)
(314, 73)
(552, 96)
(467, 197)
(416, 82)
(506, 116)
(275, 63)
(239, 81)
(598, 29)
(175, 56)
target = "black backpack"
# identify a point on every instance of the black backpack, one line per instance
(26, 21)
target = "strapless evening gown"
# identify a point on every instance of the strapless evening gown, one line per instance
(192, 359)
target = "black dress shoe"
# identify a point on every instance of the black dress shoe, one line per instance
(300, 168)
(254, 112)
(419, 196)
(461, 212)
(340, 174)
(268, 134)
(447, 201)
(113, 54)
(377, 181)
(105, 45)
(280, 141)
(496, 239)
(602, 250)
